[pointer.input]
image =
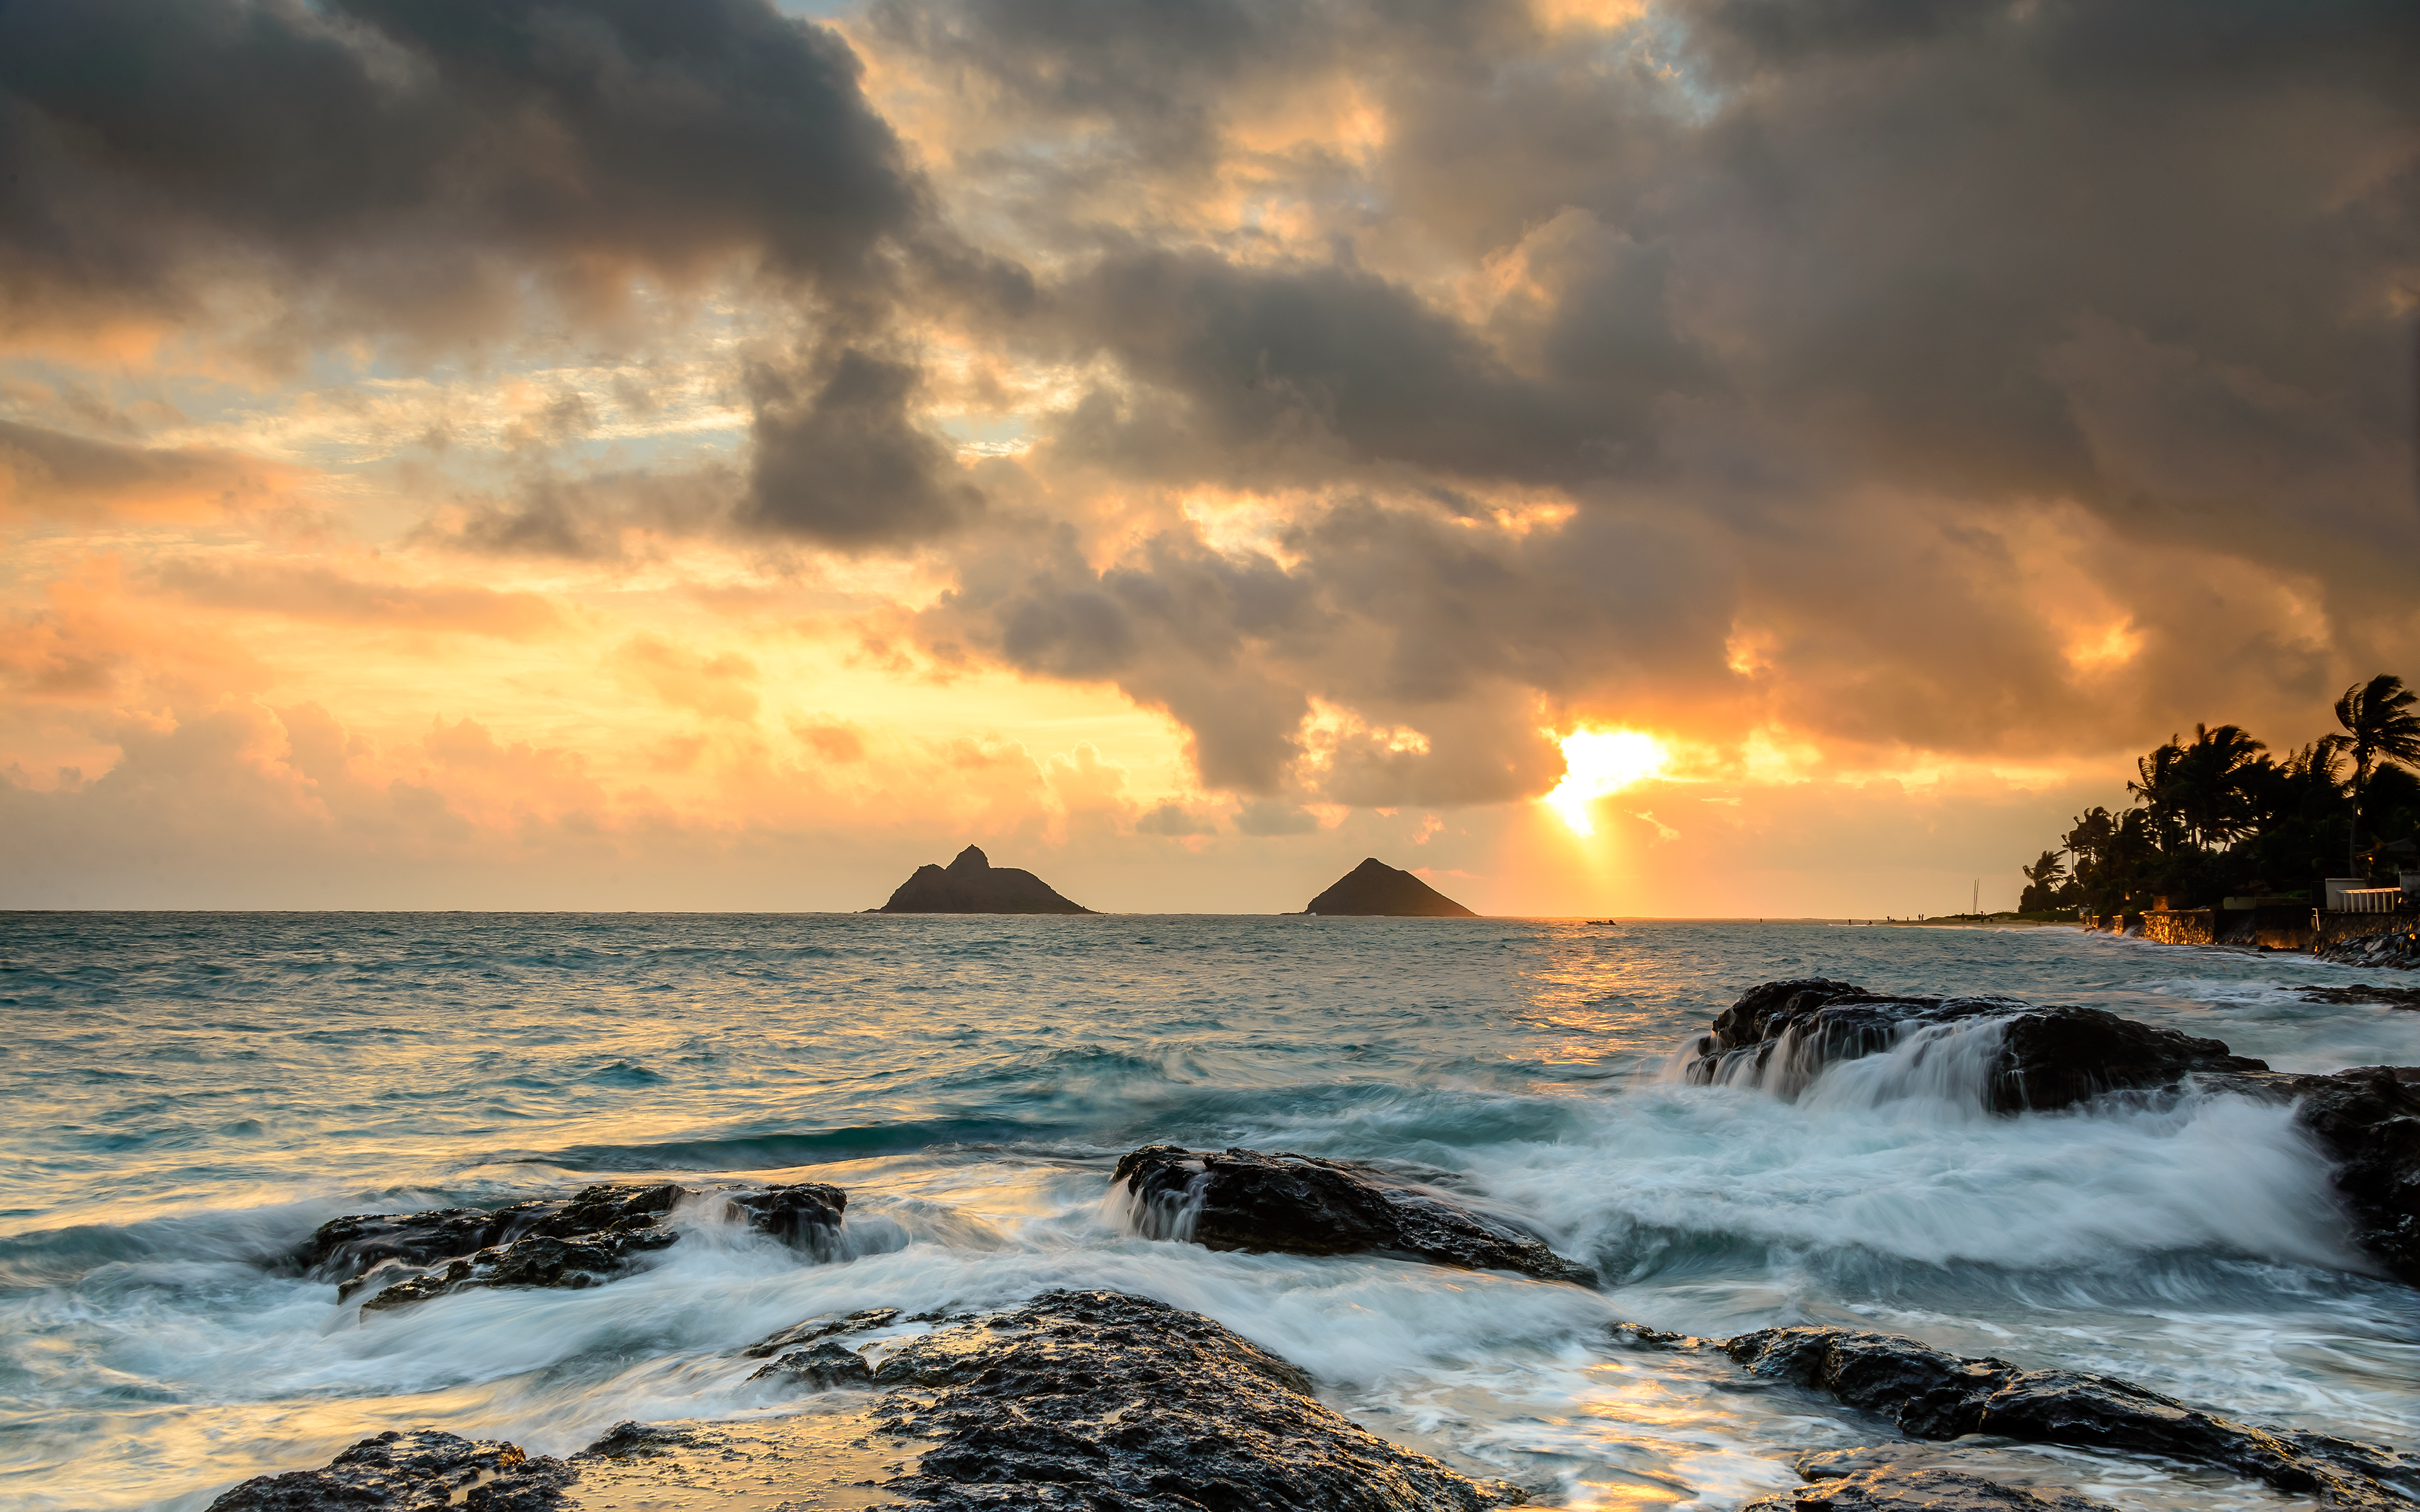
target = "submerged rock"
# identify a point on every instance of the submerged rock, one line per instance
(821, 1368)
(1373, 888)
(1926, 1488)
(581, 1241)
(1931, 1394)
(418, 1471)
(2362, 992)
(971, 885)
(815, 1329)
(1241, 1199)
(1783, 1034)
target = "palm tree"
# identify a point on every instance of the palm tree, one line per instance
(2213, 779)
(2377, 724)
(2160, 787)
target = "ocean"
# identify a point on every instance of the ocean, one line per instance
(188, 1095)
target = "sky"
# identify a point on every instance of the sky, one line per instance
(1691, 457)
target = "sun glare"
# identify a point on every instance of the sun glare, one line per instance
(1598, 762)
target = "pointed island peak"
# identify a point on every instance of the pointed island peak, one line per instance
(1374, 888)
(971, 885)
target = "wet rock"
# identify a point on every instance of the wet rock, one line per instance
(822, 1368)
(586, 1240)
(634, 1439)
(1931, 1394)
(2368, 1119)
(1241, 1199)
(1785, 1032)
(804, 1216)
(2362, 992)
(417, 1472)
(1078, 1401)
(2397, 947)
(824, 1328)
(1891, 1489)
(1097, 1400)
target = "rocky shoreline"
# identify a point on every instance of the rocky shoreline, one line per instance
(1098, 1399)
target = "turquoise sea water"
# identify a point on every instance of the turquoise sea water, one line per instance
(190, 1094)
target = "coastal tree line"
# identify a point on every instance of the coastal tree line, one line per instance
(2222, 814)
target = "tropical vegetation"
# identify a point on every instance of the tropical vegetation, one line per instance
(2221, 815)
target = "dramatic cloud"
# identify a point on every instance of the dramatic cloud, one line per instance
(72, 477)
(399, 168)
(1240, 426)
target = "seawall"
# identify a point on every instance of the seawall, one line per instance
(2265, 929)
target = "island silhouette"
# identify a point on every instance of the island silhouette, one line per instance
(971, 885)
(1376, 889)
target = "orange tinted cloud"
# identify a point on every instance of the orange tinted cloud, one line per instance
(51, 474)
(321, 593)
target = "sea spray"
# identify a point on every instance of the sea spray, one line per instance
(971, 1085)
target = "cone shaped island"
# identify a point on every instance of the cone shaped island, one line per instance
(971, 885)
(1373, 888)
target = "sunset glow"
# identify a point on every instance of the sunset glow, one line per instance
(830, 484)
(1601, 761)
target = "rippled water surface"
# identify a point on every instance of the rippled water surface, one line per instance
(188, 1095)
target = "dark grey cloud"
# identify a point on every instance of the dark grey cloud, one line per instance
(406, 169)
(594, 517)
(840, 459)
(1810, 304)
(403, 164)
(52, 472)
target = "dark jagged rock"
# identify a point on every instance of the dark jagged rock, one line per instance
(1373, 888)
(2049, 1058)
(814, 1329)
(1931, 1394)
(419, 1472)
(1097, 1400)
(2362, 992)
(1241, 1199)
(971, 885)
(2367, 1119)
(806, 1215)
(2393, 947)
(1076, 1401)
(581, 1241)
(1925, 1489)
(821, 1368)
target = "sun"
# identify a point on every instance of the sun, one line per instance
(1598, 762)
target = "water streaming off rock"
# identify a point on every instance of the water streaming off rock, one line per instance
(190, 1095)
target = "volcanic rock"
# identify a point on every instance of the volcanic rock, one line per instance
(1931, 1394)
(1376, 889)
(2362, 992)
(971, 885)
(2049, 1058)
(1076, 1400)
(1097, 1400)
(814, 1329)
(418, 1471)
(1241, 1199)
(821, 1368)
(582, 1241)
(1926, 1489)
(2398, 947)
(2367, 1119)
